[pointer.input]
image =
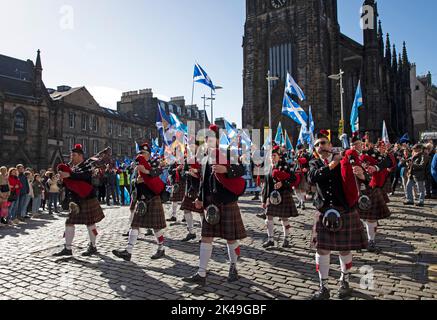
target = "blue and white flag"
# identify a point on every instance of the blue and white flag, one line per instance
(385, 137)
(310, 138)
(405, 139)
(279, 135)
(232, 132)
(163, 124)
(294, 111)
(304, 135)
(267, 144)
(137, 147)
(224, 141)
(201, 76)
(177, 124)
(358, 102)
(292, 88)
(288, 143)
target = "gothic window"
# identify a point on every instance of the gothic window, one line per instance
(19, 122)
(280, 60)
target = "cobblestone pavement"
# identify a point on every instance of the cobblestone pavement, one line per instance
(27, 270)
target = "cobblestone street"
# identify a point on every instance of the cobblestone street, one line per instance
(28, 271)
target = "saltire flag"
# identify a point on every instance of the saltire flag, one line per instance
(385, 137)
(405, 139)
(267, 143)
(294, 111)
(177, 124)
(292, 88)
(137, 147)
(232, 132)
(279, 135)
(310, 138)
(224, 141)
(304, 135)
(358, 102)
(163, 123)
(117, 164)
(127, 161)
(201, 76)
(288, 143)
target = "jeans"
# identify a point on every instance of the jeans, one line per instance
(23, 202)
(53, 199)
(36, 203)
(12, 215)
(111, 193)
(420, 184)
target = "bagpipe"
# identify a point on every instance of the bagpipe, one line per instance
(378, 177)
(153, 183)
(82, 188)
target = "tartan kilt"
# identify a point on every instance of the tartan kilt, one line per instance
(286, 209)
(351, 237)
(153, 219)
(188, 204)
(379, 208)
(230, 227)
(178, 196)
(90, 213)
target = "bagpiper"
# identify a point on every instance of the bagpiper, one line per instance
(84, 207)
(177, 181)
(149, 212)
(220, 187)
(337, 225)
(277, 198)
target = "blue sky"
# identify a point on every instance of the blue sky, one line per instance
(114, 46)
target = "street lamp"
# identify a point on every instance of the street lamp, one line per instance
(212, 101)
(269, 79)
(204, 98)
(339, 77)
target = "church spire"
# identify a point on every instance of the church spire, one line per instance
(388, 50)
(405, 61)
(38, 65)
(38, 85)
(395, 59)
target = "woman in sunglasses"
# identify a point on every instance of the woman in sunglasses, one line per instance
(337, 224)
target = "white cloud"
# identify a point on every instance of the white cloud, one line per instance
(105, 96)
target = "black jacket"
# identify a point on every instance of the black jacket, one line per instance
(269, 183)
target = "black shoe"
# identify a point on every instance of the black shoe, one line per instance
(286, 244)
(172, 219)
(196, 279)
(64, 252)
(255, 199)
(123, 254)
(27, 217)
(262, 216)
(420, 204)
(3, 221)
(233, 274)
(149, 233)
(158, 255)
(322, 294)
(190, 236)
(183, 220)
(344, 291)
(268, 244)
(371, 247)
(303, 206)
(90, 251)
(408, 203)
(125, 234)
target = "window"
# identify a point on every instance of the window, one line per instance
(119, 130)
(189, 113)
(19, 122)
(110, 127)
(179, 110)
(84, 121)
(84, 146)
(70, 143)
(72, 120)
(96, 146)
(280, 60)
(170, 108)
(94, 123)
(120, 149)
(130, 132)
(196, 114)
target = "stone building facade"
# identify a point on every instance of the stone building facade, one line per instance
(304, 38)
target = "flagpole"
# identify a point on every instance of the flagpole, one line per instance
(192, 94)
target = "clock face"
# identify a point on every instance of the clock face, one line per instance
(278, 3)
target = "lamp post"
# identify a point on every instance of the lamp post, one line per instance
(269, 79)
(212, 101)
(204, 98)
(339, 77)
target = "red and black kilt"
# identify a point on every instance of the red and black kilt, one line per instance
(178, 196)
(153, 219)
(351, 237)
(90, 213)
(379, 208)
(286, 209)
(231, 225)
(188, 204)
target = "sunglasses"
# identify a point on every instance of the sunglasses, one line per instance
(321, 143)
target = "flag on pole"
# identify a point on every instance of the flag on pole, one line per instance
(292, 88)
(279, 135)
(294, 111)
(177, 124)
(163, 124)
(232, 132)
(405, 139)
(385, 137)
(201, 76)
(358, 102)
(288, 143)
(137, 147)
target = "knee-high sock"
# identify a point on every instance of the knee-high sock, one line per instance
(174, 207)
(189, 218)
(270, 233)
(92, 232)
(159, 234)
(371, 229)
(69, 236)
(346, 266)
(286, 228)
(133, 237)
(205, 255)
(233, 252)
(322, 266)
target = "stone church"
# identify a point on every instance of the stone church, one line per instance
(304, 38)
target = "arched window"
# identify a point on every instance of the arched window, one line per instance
(19, 122)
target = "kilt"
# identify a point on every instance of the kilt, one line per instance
(379, 208)
(286, 209)
(387, 189)
(153, 219)
(178, 196)
(351, 237)
(231, 225)
(90, 213)
(188, 204)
